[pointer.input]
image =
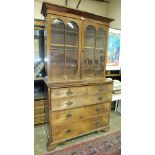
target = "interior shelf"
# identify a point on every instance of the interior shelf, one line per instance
(63, 45)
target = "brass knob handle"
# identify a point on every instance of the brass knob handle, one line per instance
(101, 88)
(69, 92)
(68, 131)
(98, 109)
(100, 98)
(68, 115)
(69, 103)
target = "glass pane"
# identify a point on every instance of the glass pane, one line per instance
(57, 56)
(38, 45)
(88, 54)
(71, 62)
(38, 53)
(72, 34)
(57, 62)
(58, 32)
(71, 49)
(88, 62)
(99, 62)
(100, 38)
(90, 36)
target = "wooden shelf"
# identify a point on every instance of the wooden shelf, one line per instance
(94, 48)
(89, 34)
(61, 30)
(60, 45)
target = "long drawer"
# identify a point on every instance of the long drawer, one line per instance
(68, 92)
(100, 89)
(66, 131)
(79, 113)
(67, 103)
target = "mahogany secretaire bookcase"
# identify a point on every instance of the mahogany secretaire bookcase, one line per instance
(79, 96)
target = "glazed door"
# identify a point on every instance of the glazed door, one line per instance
(94, 50)
(64, 48)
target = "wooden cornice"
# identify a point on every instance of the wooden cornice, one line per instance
(46, 7)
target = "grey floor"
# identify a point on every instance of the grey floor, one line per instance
(40, 138)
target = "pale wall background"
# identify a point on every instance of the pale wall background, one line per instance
(111, 9)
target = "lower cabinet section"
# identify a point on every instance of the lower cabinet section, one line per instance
(76, 111)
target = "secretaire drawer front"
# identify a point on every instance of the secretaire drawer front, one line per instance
(67, 92)
(94, 99)
(96, 122)
(97, 109)
(68, 115)
(67, 103)
(67, 130)
(100, 89)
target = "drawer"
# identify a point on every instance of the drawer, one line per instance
(67, 130)
(100, 89)
(67, 103)
(96, 122)
(39, 111)
(39, 103)
(67, 92)
(94, 99)
(67, 115)
(98, 109)
(39, 119)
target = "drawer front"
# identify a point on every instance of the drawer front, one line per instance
(67, 115)
(67, 92)
(96, 122)
(39, 119)
(66, 131)
(39, 103)
(100, 89)
(67, 103)
(97, 109)
(39, 111)
(94, 99)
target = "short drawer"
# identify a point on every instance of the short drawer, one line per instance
(97, 109)
(100, 89)
(67, 130)
(68, 115)
(94, 99)
(67, 103)
(96, 122)
(67, 92)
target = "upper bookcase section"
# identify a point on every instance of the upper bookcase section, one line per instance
(48, 8)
